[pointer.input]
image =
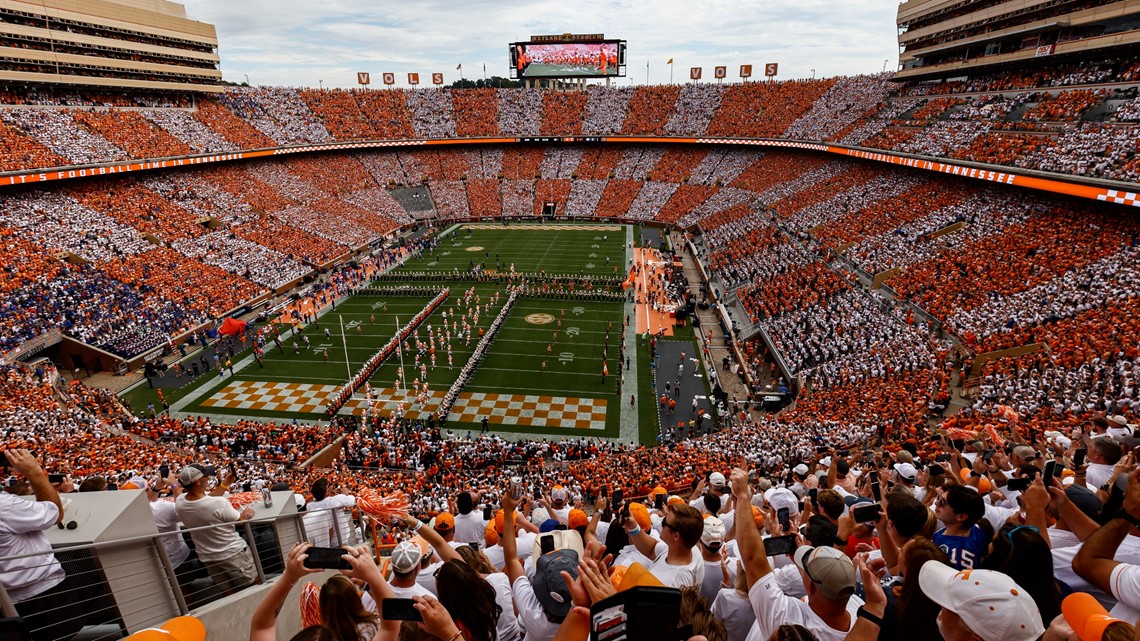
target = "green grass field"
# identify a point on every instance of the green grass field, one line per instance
(513, 365)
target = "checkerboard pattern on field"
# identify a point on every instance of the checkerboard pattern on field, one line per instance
(273, 396)
(500, 409)
(533, 226)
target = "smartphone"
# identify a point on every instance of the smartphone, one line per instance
(1018, 485)
(326, 559)
(536, 494)
(546, 544)
(784, 516)
(867, 513)
(644, 613)
(399, 610)
(1049, 473)
(659, 501)
(618, 497)
(1079, 457)
(812, 494)
(487, 513)
(942, 458)
(987, 455)
(935, 470)
(4, 460)
(473, 545)
(876, 491)
(777, 545)
(164, 471)
(56, 478)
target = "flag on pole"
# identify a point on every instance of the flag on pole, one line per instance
(459, 66)
(670, 62)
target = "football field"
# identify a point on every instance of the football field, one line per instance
(556, 365)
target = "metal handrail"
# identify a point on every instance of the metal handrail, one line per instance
(98, 589)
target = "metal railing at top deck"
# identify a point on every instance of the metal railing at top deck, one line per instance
(113, 588)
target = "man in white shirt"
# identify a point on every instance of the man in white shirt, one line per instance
(674, 561)
(166, 518)
(544, 601)
(224, 553)
(830, 609)
(1099, 558)
(36, 584)
(330, 515)
(405, 568)
(1104, 453)
(469, 523)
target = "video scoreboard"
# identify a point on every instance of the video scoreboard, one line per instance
(568, 56)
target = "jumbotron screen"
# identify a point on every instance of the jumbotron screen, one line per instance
(568, 60)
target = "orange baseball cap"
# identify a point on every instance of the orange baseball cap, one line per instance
(624, 578)
(675, 500)
(444, 522)
(1086, 616)
(577, 519)
(640, 514)
(757, 516)
(490, 536)
(658, 490)
(498, 521)
(186, 628)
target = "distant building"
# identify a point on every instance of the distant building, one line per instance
(117, 44)
(948, 38)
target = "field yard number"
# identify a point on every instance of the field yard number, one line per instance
(595, 246)
(323, 346)
(578, 311)
(572, 331)
(353, 324)
(374, 306)
(566, 357)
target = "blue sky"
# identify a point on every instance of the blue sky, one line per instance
(289, 42)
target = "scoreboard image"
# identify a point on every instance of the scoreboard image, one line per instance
(567, 56)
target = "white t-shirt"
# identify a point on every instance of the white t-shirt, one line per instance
(426, 577)
(710, 584)
(413, 591)
(773, 608)
(1097, 474)
(470, 527)
(735, 612)
(166, 518)
(494, 554)
(22, 532)
(508, 626)
(677, 576)
(214, 544)
(1128, 552)
(531, 614)
(323, 513)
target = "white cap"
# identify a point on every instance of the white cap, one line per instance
(906, 471)
(713, 532)
(825, 461)
(406, 556)
(716, 479)
(779, 497)
(989, 603)
(800, 469)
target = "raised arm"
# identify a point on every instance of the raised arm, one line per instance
(747, 536)
(263, 625)
(441, 547)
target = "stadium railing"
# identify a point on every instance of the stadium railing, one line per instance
(120, 586)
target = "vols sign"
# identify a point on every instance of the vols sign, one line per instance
(362, 77)
(720, 72)
(695, 73)
(413, 78)
(389, 78)
(437, 78)
(770, 69)
(745, 71)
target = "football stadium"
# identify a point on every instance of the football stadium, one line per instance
(571, 356)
